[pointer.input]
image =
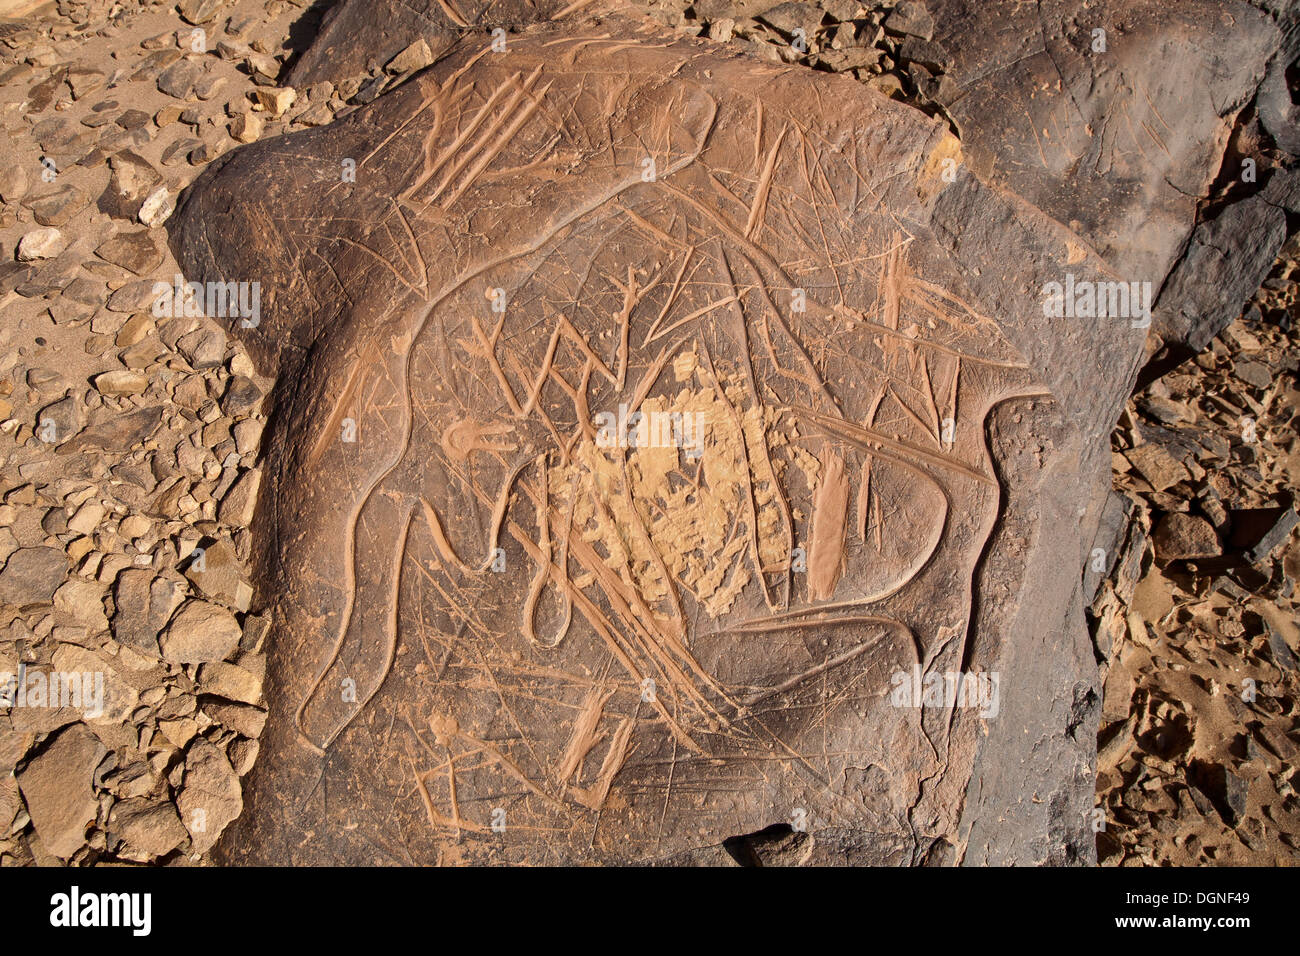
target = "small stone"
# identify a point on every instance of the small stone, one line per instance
(275, 100)
(134, 251)
(788, 18)
(112, 700)
(1255, 374)
(121, 382)
(179, 732)
(158, 207)
(57, 207)
(316, 116)
(133, 120)
(149, 829)
(244, 720)
(135, 296)
(135, 330)
(240, 502)
(887, 84)
(45, 379)
(200, 632)
(56, 786)
(1164, 410)
(59, 421)
(32, 575)
(166, 116)
(1157, 465)
(371, 89)
(133, 179)
(87, 518)
(1180, 536)
(198, 11)
(144, 604)
(243, 754)
(242, 395)
(134, 526)
(83, 81)
(927, 53)
(179, 151)
(248, 435)
(912, 19)
(203, 348)
(205, 153)
(1263, 530)
(83, 601)
(247, 127)
(1282, 653)
(218, 575)
(231, 682)
(853, 58)
(261, 65)
(415, 57)
(43, 243)
(241, 364)
(209, 85)
(179, 78)
(232, 50)
(14, 182)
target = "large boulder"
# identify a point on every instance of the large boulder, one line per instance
(509, 627)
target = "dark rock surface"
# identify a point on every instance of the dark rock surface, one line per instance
(358, 35)
(1119, 143)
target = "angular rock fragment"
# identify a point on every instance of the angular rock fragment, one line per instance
(57, 206)
(41, 244)
(217, 573)
(179, 78)
(599, 621)
(150, 829)
(56, 786)
(121, 382)
(32, 575)
(199, 632)
(1225, 262)
(231, 682)
(134, 251)
(107, 698)
(1181, 536)
(211, 796)
(133, 179)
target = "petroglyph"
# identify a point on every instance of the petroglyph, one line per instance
(564, 648)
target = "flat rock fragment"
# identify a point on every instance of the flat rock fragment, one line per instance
(56, 786)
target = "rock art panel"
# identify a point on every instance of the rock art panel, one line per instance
(630, 464)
